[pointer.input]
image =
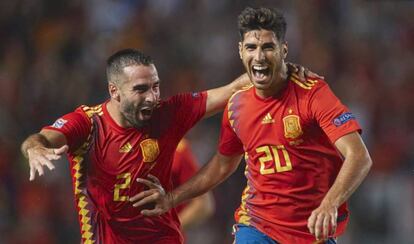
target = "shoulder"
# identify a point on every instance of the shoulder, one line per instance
(309, 85)
(84, 114)
(245, 91)
(182, 145)
(309, 89)
(90, 111)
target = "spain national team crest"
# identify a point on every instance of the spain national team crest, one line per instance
(292, 126)
(150, 150)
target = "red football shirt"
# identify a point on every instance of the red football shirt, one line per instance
(106, 160)
(183, 168)
(291, 161)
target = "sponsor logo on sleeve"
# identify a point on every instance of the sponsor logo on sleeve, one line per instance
(195, 94)
(59, 123)
(343, 118)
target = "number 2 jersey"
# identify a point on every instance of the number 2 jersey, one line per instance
(106, 160)
(291, 161)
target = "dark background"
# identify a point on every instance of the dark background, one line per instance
(52, 59)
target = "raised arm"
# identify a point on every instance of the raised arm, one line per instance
(218, 97)
(213, 173)
(354, 169)
(42, 148)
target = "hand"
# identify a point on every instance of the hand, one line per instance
(244, 80)
(156, 193)
(302, 72)
(40, 157)
(322, 222)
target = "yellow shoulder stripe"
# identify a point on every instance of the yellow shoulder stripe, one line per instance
(244, 88)
(308, 84)
(182, 145)
(90, 111)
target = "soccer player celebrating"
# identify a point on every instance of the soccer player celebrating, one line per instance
(304, 155)
(111, 145)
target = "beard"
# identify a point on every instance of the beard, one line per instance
(130, 112)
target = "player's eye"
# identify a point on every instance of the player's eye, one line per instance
(250, 47)
(268, 47)
(140, 88)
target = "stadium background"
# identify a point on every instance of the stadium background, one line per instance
(52, 57)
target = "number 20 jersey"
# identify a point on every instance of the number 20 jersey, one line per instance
(106, 160)
(291, 161)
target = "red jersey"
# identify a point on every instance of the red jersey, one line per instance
(291, 161)
(106, 160)
(183, 168)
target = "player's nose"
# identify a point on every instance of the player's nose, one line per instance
(150, 97)
(259, 55)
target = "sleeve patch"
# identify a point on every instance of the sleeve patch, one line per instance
(343, 118)
(59, 123)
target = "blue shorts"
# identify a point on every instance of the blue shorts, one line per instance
(244, 234)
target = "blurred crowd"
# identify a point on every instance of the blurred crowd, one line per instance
(52, 59)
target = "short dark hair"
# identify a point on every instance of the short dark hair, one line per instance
(123, 58)
(262, 18)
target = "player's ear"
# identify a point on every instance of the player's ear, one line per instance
(113, 91)
(284, 49)
(240, 50)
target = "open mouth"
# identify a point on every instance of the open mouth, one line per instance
(146, 112)
(260, 72)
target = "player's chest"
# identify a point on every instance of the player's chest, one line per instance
(134, 151)
(272, 124)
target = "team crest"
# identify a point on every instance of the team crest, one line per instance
(292, 126)
(150, 150)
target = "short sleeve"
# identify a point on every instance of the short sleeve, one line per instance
(76, 127)
(189, 108)
(229, 143)
(333, 117)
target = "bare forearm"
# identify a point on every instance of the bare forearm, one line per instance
(203, 181)
(323, 220)
(40, 150)
(354, 170)
(209, 176)
(33, 141)
(218, 97)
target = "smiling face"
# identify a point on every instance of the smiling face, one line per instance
(137, 94)
(263, 57)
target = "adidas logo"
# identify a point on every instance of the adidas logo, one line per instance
(125, 148)
(268, 119)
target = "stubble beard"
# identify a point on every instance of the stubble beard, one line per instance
(130, 114)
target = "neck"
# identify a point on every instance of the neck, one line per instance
(277, 85)
(113, 110)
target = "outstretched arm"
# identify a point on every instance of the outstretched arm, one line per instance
(354, 169)
(213, 173)
(42, 148)
(218, 97)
